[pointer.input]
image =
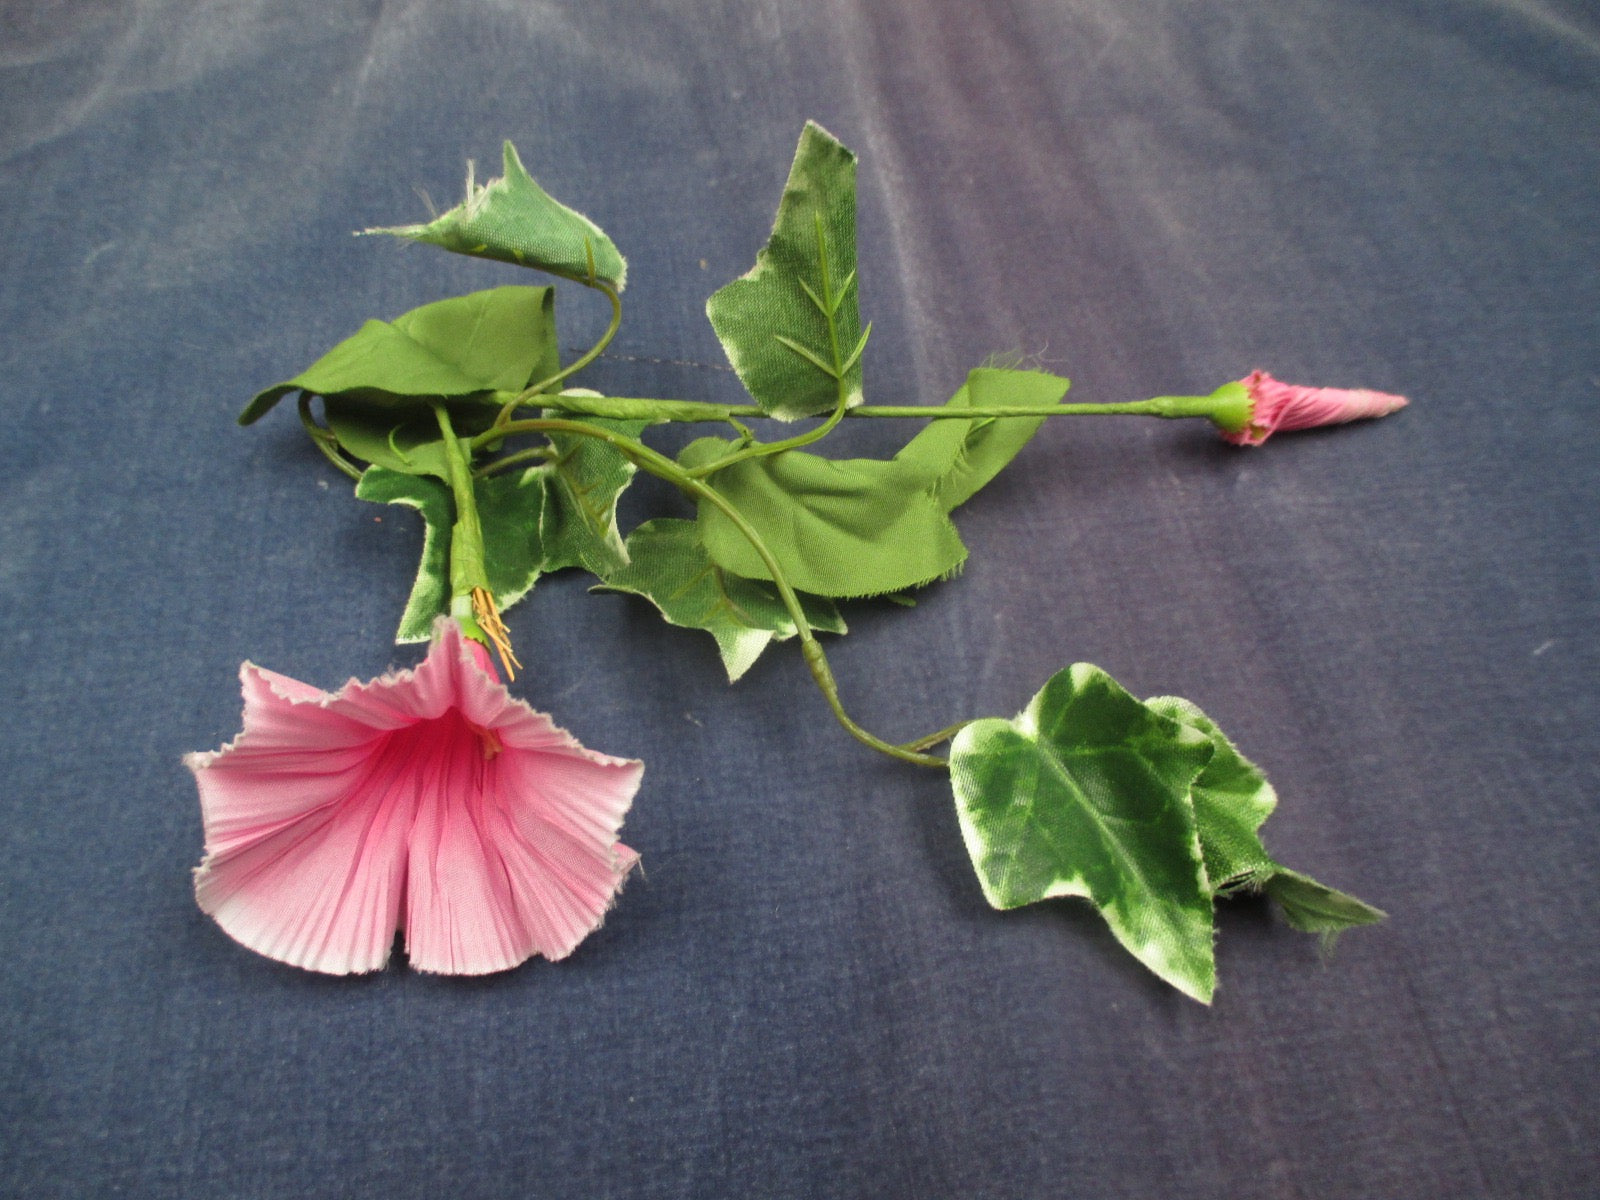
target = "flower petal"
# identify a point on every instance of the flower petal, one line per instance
(528, 865)
(428, 800)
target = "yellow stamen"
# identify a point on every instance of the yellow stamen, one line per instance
(488, 618)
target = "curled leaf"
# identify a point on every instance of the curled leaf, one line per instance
(484, 345)
(512, 219)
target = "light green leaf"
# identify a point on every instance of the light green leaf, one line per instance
(1231, 799)
(396, 439)
(854, 527)
(495, 341)
(512, 219)
(584, 482)
(790, 327)
(1087, 793)
(669, 567)
(963, 456)
(509, 508)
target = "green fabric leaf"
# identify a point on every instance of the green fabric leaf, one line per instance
(669, 567)
(1231, 799)
(963, 456)
(790, 327)
(509, 510)
(402, 440)
(495, 341)
(512, 219)
(584, 482)
(853, 527)
(430, 594)
(1312, 907)
(1087, 793)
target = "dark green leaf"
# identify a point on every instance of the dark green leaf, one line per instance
(1313, 908)
(395, 439)
(1087, 793)
(855, 527)
(495, 341)
(791, 327)
(512, 219)
(670, 568)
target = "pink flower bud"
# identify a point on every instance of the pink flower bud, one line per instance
(1276, 406)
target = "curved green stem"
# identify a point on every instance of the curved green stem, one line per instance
(324, 439)
(762, 449)
(511, 460)
(544, 385)
(663, 467)
(933, 739)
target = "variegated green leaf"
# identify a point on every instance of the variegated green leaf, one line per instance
(1231, 800)
(790, 326)
(1087, 793)
(509, 508)
(583, 484)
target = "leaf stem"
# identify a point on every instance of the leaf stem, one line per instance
(511, 460)
(325, 440)
(544, 385)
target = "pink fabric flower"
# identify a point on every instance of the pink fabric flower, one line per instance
(428, 801)
(1276, 406)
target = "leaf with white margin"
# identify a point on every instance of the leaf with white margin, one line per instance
(509, 508)
(1087, 793)
(1231, 800)
(790, 326)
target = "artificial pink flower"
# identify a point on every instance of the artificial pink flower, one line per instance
(1278, 406)
(429, 802)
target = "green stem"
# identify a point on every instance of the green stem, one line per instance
(1224, 406)
(324, 440)
(663, 467)
(511, 460)
(467, 566)
(530, 393)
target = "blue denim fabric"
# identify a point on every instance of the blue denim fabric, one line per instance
(805, 995)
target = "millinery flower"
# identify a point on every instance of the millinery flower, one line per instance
(427, 801)
(1276, 406)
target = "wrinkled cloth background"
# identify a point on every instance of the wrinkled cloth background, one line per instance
(805, 995)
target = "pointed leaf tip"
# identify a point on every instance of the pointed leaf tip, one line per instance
(512, 219)
(790, 326)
